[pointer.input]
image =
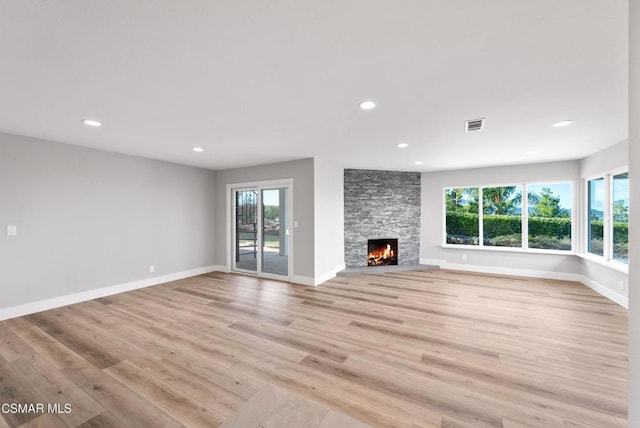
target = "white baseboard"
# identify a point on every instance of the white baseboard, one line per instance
(318, 279)
(303, 280)
(329, 275)
(606, 292)
(564, 276)
(433, 262)
(70, 299)
(220, 268)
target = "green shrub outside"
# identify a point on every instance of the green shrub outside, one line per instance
(466, 224)
(503, 227)
(620, 230)
(549, 242)
(558, 227)
(462, 224)
(514, 240)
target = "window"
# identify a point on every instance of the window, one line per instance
(595, 237)
(504, 218)
(607, 221)
(549, 221)
(620, 216)
(461, 205)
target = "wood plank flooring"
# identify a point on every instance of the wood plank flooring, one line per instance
(414, 349)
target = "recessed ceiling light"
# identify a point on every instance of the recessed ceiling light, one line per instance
(91, 122)
(417, 163)
(562, 123)
(198, 149)
(367, 105)
(530, 152)
(403, 145)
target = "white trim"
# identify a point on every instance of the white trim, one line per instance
(576, 215)
(303, 280)
(70, 299)
(609, 264)
(606, 292)
(319, 279)
(230, 213)
(524, 217)
(564, 276)
(433, 262)
(230, 205)
(443, 214)
(508, 249)
(607, 220)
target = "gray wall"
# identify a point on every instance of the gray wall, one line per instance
(634, 217)
(329, 218)
(610, 158)
(89, 219)
(433, 185)
(381, 204)
(301, 172)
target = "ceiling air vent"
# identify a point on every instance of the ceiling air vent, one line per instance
(474, 125)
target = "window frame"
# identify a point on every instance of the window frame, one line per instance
(607, 231)
(524, 218)
(587, 216)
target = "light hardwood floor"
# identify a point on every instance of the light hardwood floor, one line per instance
(410, 349)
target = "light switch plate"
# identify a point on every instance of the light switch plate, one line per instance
(12, 230)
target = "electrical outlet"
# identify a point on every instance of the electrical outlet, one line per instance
(152, 268)
(12, 230)
(622, 285)
(464, 257)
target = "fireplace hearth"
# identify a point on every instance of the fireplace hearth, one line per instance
(382, 252)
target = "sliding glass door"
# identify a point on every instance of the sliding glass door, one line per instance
(246, 230)
(275, 231)
(261, 233)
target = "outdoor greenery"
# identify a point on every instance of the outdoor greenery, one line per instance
(548, 221)
(271, 212)
(549, 224)
(620, 237)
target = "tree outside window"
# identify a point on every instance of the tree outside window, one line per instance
(549, 221)
(549, 216)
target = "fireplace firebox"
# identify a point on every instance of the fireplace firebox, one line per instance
(382, 252)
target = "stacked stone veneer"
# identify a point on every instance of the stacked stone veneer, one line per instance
(380, 205)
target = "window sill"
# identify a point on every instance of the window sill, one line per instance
(509, 249)
(610, 264)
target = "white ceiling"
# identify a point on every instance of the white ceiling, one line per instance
(264, 81)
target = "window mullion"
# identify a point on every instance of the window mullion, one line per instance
(525, 216)
(607, 235)
(480, 216)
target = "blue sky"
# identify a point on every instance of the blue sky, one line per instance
(620, 191)
(563, 190)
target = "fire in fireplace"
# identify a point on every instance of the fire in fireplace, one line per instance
(382, 252)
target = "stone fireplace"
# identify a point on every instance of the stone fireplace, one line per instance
(381, 205)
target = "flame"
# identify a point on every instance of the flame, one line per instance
(379, 257)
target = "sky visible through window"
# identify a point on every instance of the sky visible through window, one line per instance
(620, 192)
(563, 190)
